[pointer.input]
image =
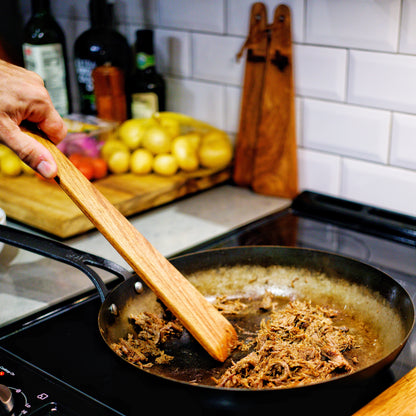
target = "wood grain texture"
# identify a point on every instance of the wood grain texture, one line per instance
(43, 205)
(397, 400)
(256, 46)
(198, 316)
(275, 166)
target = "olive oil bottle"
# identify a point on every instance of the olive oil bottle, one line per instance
(147, 86)
(44, 52)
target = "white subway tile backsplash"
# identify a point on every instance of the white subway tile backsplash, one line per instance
(380, 185)
(319, 172)
(173, 52)
(382, 80)
(408, 27)
(214, 58)
(299, 117)
(238, 16)
(201, 15)
(75, 9)
(201, 100)
(403, 141)
(232, 108)
(320, 72)
(346, 130)
(355, 79)
(368, 24)
(137, 12)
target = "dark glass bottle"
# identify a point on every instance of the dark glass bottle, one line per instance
(99, 45)
(44, 52)
(147, 87)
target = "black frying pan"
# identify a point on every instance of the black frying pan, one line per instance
(352, 280)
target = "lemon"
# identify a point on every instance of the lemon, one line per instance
(185, 154)
(194, 140)
(112, 146)
(11, 165)
(156, 140)
(4, 150)
(119, 161)
(141, 162)
(214, 136)
(131, 132)
(170, 125)
(165, 164)
(215, 152)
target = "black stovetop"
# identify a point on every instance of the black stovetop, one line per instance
(73, 369)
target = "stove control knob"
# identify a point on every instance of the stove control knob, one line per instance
(6, 400)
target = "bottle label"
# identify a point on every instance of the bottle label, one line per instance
(83, 69)
(144, 104)
(48, 62)
(143, 60)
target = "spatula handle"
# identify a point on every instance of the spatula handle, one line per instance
(199, 317)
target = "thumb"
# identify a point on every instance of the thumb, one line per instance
(30, 151)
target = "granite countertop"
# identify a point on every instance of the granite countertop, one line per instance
(29, 282)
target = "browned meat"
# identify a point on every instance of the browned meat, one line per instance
(298, 345)
(144, 348)
(229, 306)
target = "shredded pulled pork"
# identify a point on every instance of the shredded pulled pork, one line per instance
(298, 345)
(229, 306)
(144, 348)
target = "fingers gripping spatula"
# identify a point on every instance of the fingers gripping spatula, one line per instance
(215, 333)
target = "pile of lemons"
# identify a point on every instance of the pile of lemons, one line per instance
(163, 145)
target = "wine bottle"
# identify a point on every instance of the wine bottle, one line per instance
(44, 52)
(97, 46)
(147, 86)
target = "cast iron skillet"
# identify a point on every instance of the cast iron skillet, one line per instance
(354, 278)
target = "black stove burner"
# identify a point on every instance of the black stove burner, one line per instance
(77, 374)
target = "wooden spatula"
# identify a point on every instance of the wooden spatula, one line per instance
(216, 335)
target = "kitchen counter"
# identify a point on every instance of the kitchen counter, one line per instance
(29, 282)
(189, 221)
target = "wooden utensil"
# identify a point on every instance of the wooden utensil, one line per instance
(256, 45)
(275, 164)
(198, 316)
(398, 400)
(265, 153)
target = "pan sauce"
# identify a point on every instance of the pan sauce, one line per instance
(358, 309)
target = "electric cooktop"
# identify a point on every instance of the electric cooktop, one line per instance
(55, 362)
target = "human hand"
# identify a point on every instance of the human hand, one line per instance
(24, 97)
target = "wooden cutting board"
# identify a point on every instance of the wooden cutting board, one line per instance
(256, 45)
(45, 206)
(275, 162)
(266, 148)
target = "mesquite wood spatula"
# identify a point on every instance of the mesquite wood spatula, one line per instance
(215, 333)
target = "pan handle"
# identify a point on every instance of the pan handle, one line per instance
(64, 254)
